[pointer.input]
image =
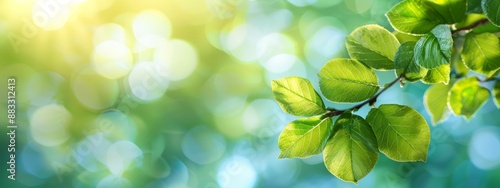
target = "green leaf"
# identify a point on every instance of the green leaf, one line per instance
(453, 11)
(467, 96)
(373, 45)
(491, 9)
(352, 151)
(405, 63)
(438, 75)
(481, 53)
(434, 49)
(414, 16)
(492, 76)
(474, 6)
(304, 137)
(436, 100)
(347, 80)
(296, 96)
(402, 133)
(403, 37)
(496, 94)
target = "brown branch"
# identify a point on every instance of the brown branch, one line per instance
(334, 112)
(471, 26)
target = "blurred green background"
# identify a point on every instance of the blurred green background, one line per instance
(175, 93)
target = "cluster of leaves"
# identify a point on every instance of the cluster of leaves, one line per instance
(436, 42)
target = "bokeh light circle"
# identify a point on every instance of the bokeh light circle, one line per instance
(274, 44)
(110, 31)
(120, 155)
(49, 125)
(280, 63)
(151, 28)
(112, 59)
(50, 15)
(259, 116)
(177, 59)
(115, 125)
(43, 88)
(146, 82)
(203, 146)
(86, 151)
(93, 90)
(236, 171)
(480, 148)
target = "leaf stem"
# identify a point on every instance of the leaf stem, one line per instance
(471, 26)
(332, 112)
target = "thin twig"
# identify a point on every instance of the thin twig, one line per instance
(334, 112)
(471, 26)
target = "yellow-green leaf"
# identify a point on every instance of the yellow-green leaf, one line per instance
(402, 133)
(453, 11)
(403, 37)
(438, 75)
(434, 49)
(414, 16)
(352, 151)
(470, 19)
(374, 46)
(436, 100)
(456, 61)
(347, 80)
(405, 63)
(304, 137)
(296, 96)
(481, 53)
(467, 96)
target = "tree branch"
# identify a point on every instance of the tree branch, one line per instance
(332, 112)
(471, 26)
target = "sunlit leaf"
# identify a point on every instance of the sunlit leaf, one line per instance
(436, 100)
(458, 63)
(296, 96)
(352, 151)
(438, 75)
(467, 96)
(373, 45)
(481, 53)
(414, 16)
(434, 49)
(403, 37)
(453, 11)
(347, 80)
(304, 137)
(402, 133)
(405, 63)
(491, 9)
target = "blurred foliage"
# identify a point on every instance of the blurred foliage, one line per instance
(177, 94)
